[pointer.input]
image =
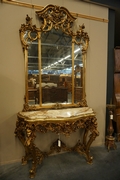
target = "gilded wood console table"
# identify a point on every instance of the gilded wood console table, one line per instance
(64, 121)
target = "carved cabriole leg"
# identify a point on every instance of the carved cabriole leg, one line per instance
(85, 137)
(30, 133)
(20, 133)
(87, 147)
(83, 148)
(37, 158)
(93, 135)
(91, 126)
(27, 144)
(26, 134)
(34, 161)
(32, 152)
(79, 147)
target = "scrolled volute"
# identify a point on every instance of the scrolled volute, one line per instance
(25, 32)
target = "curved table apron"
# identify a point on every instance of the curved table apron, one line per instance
(62, 121)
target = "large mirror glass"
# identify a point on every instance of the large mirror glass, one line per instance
(56, 67)
(55, 58)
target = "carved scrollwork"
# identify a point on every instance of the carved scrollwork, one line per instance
(27, 107)
(82, 103)
(26, 129)
(81, 38)
(25, 32)
(56, 17)
(60, 18)
(20, 130)
(57, 106)
(65, 128)
(59, 23)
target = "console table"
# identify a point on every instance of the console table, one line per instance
(64, 121)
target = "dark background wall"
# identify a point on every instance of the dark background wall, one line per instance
(113, 41)
(116, 6)
(112, 5)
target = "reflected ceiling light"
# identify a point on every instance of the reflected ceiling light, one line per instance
(76, 50)
(67, 57)
(56, 63)
(61, 59)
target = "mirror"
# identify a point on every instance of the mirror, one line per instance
(55, 58)
(56, 66)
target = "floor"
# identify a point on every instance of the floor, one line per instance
(70, 166)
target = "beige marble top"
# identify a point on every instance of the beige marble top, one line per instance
(56, 114)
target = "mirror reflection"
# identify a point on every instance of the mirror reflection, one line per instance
(33, 70)
(56, 69)
(56, 66)
(78, 74)
(54, 59)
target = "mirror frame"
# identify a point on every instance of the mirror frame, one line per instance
(56, 17)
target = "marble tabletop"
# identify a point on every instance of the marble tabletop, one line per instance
(57, 113)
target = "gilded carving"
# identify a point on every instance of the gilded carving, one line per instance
(25, 131)
(56, 17)
(60, 18)
(25, 32)
(82, 103)
(29, 122)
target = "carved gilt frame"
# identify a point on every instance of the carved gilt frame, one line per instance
(58, 18)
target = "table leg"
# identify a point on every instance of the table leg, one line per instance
(84, 147)
(33, 152)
